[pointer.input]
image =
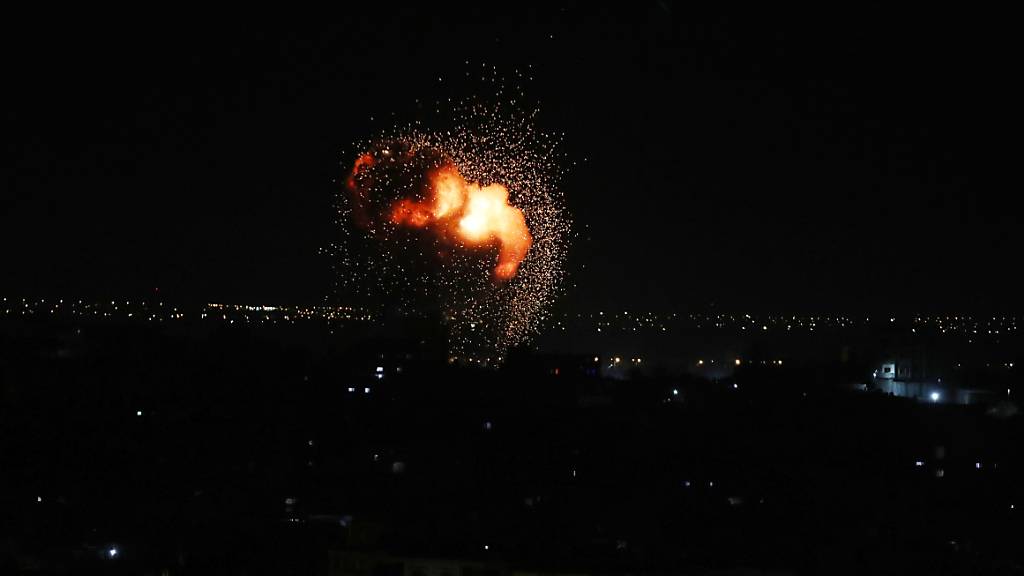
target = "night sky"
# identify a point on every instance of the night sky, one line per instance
(766, 162)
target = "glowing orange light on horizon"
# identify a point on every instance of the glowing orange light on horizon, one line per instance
(477, 215)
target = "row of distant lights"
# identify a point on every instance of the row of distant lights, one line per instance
(249, 313)
(792, 318)
(349, 313)
(93, 309)
(618, 360)
(644, 316)
(148, 310)
(810, 322)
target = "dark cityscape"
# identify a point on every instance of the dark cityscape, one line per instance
(519, 290)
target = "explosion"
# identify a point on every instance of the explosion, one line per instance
(465, 219)
(478, 215)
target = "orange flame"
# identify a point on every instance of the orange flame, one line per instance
(477, 215)
(363, 163)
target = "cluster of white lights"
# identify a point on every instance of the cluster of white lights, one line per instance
(159, 312)
(627, 321)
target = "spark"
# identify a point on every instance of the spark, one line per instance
(461, 213)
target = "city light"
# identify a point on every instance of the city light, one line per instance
(156, 311)
(935, 396)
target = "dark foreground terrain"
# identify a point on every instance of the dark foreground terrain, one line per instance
(133, 449)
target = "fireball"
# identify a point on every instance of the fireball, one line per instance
(479, 215)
